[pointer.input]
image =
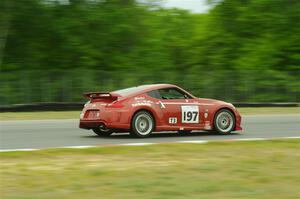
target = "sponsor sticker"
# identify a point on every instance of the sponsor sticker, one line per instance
(207, 125)
(143, 103)
(139, 98)
(172, 120)
(206, 113)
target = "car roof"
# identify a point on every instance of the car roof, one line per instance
(131, 91)
(145, 88)
(157, 86)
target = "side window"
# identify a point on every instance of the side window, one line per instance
(172, 93)
(154, 94)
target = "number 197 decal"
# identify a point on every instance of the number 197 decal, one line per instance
(190, 114)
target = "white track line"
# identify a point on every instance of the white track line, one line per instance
(136, 144)
(295, 137)
(144, 144)
(10, 150)
(251, 139)
(194, 141)
(78, 147)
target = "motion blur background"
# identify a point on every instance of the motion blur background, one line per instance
(234, 50)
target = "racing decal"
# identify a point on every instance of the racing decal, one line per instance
(207, 125)
(188, 103)
(172, 120)
(143, 103)
(206, 113)
(190, 114)
(161, 104)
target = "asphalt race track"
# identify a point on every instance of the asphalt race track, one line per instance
(61, 133)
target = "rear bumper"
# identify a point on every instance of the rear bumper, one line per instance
(90, 124)
(110, 117)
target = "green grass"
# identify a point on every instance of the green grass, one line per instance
(263, 169)
(75, 114)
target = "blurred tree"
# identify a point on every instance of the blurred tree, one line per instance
(5, 18)
(242, 50)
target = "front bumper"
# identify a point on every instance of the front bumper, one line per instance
(238, 122)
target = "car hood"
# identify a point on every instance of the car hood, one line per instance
(211, 101)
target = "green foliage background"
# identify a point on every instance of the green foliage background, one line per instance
(241, 51)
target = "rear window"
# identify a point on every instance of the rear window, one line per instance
(129, 91)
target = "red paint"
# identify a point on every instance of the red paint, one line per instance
(116, 111)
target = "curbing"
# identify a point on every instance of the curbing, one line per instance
(149, 143)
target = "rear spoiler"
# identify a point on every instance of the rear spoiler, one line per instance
(95, 95)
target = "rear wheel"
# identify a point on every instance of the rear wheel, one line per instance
(102, 131)
(184, 131)
(142, 124)
(224, 122)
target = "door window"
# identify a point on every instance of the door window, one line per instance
(169, 94)
(154, 94)
(172, 93)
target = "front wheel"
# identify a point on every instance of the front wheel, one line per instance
(224, 122)
(142, 124)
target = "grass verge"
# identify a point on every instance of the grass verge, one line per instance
(263, 169)
(75, 114)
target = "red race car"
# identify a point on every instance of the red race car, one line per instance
(157, 107)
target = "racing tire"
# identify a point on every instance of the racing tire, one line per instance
(142, 124)
(224, 122)
(183, 132)
(102, 133)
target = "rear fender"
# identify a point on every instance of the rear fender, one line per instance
(148, 109)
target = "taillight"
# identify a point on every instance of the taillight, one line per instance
(87, 103)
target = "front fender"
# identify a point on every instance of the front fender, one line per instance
(231, 108)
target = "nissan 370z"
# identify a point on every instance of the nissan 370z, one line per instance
(144, 109)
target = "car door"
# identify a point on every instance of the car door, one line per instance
(178, 108)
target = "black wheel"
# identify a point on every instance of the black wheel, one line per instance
(103, 133)
(184, 131)
(142, 124)
(224, 122)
